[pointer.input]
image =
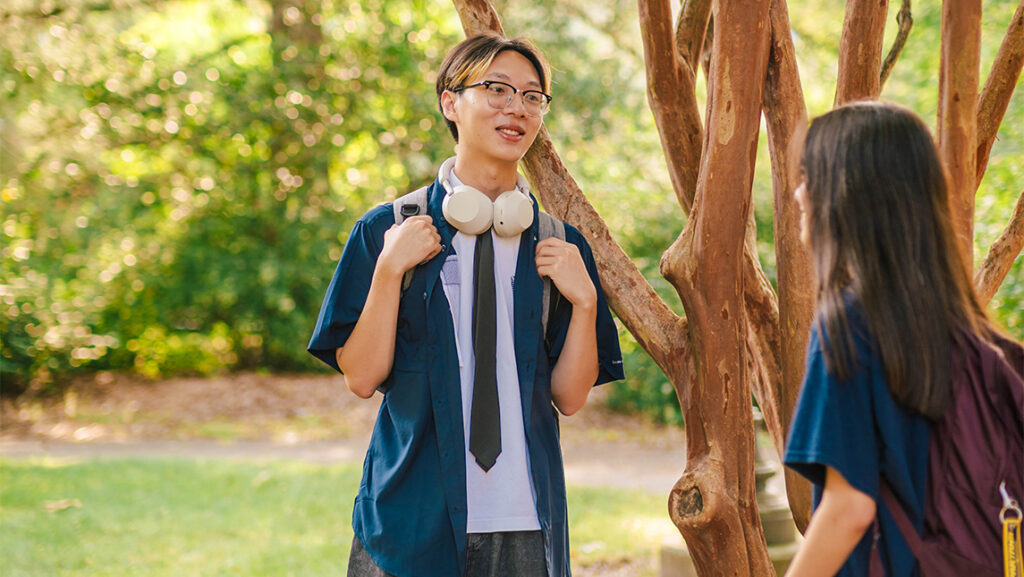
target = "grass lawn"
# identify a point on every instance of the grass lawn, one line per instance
(157, 517)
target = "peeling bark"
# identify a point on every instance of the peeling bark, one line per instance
(691, 31)
(786, 118)
(672, 98)
(739, 337)
(958, 118)
(706, 265)
(860, 50)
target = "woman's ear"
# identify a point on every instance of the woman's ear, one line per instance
(448, 105)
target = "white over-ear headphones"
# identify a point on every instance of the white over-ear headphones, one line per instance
(472, 212)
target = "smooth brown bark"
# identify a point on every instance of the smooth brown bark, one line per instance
(672, 98)
(655, 326)
(1001, 255)
(999, 87)
(691, 30)
(738, 337)
(786, 117)
(958, 118)
(713, 504)
(478, 17)
(673, 102)
(860, 50)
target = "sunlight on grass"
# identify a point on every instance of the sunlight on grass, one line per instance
(159, 517)
(614, 523)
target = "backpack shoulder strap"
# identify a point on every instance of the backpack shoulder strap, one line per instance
(411, 204)
(548, 226)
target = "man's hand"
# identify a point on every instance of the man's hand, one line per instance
(413, 242)
(561, 262)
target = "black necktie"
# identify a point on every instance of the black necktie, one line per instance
(485, 420)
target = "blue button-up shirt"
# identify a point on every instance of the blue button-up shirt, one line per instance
(410, 512)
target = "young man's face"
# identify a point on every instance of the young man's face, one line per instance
(502, 135)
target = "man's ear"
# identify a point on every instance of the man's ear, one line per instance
(448, 105)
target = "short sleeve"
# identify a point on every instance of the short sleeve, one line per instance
(609, 356)
(833, 424)
(346, 295)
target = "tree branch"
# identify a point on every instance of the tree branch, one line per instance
(785, 114)
(478, 17)
(1001, 255)
(691, 31)
(672, 98)
(958, 113)
(712, 504)
(84, 8)
(904, 21)
(999, 87)
(655, 326)
(860, 50)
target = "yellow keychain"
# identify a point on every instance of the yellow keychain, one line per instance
(1013, 563)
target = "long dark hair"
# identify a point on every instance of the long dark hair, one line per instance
(881, 234)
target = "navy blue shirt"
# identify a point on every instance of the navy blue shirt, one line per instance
(410, 512)
(857, 428)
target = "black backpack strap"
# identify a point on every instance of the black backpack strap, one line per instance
(411, 204)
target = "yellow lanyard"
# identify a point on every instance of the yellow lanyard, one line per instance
(1013, 564)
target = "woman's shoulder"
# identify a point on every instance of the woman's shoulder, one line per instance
(854, 322)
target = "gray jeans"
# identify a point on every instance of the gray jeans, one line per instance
(513, 554)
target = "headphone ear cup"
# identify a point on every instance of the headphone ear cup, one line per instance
(468, 210)
(513, 213)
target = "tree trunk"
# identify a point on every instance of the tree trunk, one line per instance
(958, 117)
(713, 504)
(785, 116)
(738, 337)
(860, 50)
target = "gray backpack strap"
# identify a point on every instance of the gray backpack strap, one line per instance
(411, 204)
(548, 226)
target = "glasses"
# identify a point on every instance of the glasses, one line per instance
(499, 96)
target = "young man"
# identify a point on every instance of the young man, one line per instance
(464, 473)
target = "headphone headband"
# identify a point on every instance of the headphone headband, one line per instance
(444, 174)
(472, 212)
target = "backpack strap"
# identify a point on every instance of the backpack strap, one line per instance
(548, 226)
(899, 514)
(906, 527)
(411, 204)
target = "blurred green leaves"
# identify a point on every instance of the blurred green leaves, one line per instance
(178, 177)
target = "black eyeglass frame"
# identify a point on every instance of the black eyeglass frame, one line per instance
(545, 106)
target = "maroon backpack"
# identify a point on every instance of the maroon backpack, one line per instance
(977, 445)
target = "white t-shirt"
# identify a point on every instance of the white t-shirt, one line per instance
(502, 499)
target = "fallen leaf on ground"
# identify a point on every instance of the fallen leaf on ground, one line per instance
(55, 506)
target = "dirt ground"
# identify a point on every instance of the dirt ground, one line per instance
(311, 417)
(255, 407)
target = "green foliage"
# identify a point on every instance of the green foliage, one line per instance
(179, 208)
(177, 179)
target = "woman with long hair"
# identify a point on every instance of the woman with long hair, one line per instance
(892, 294)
